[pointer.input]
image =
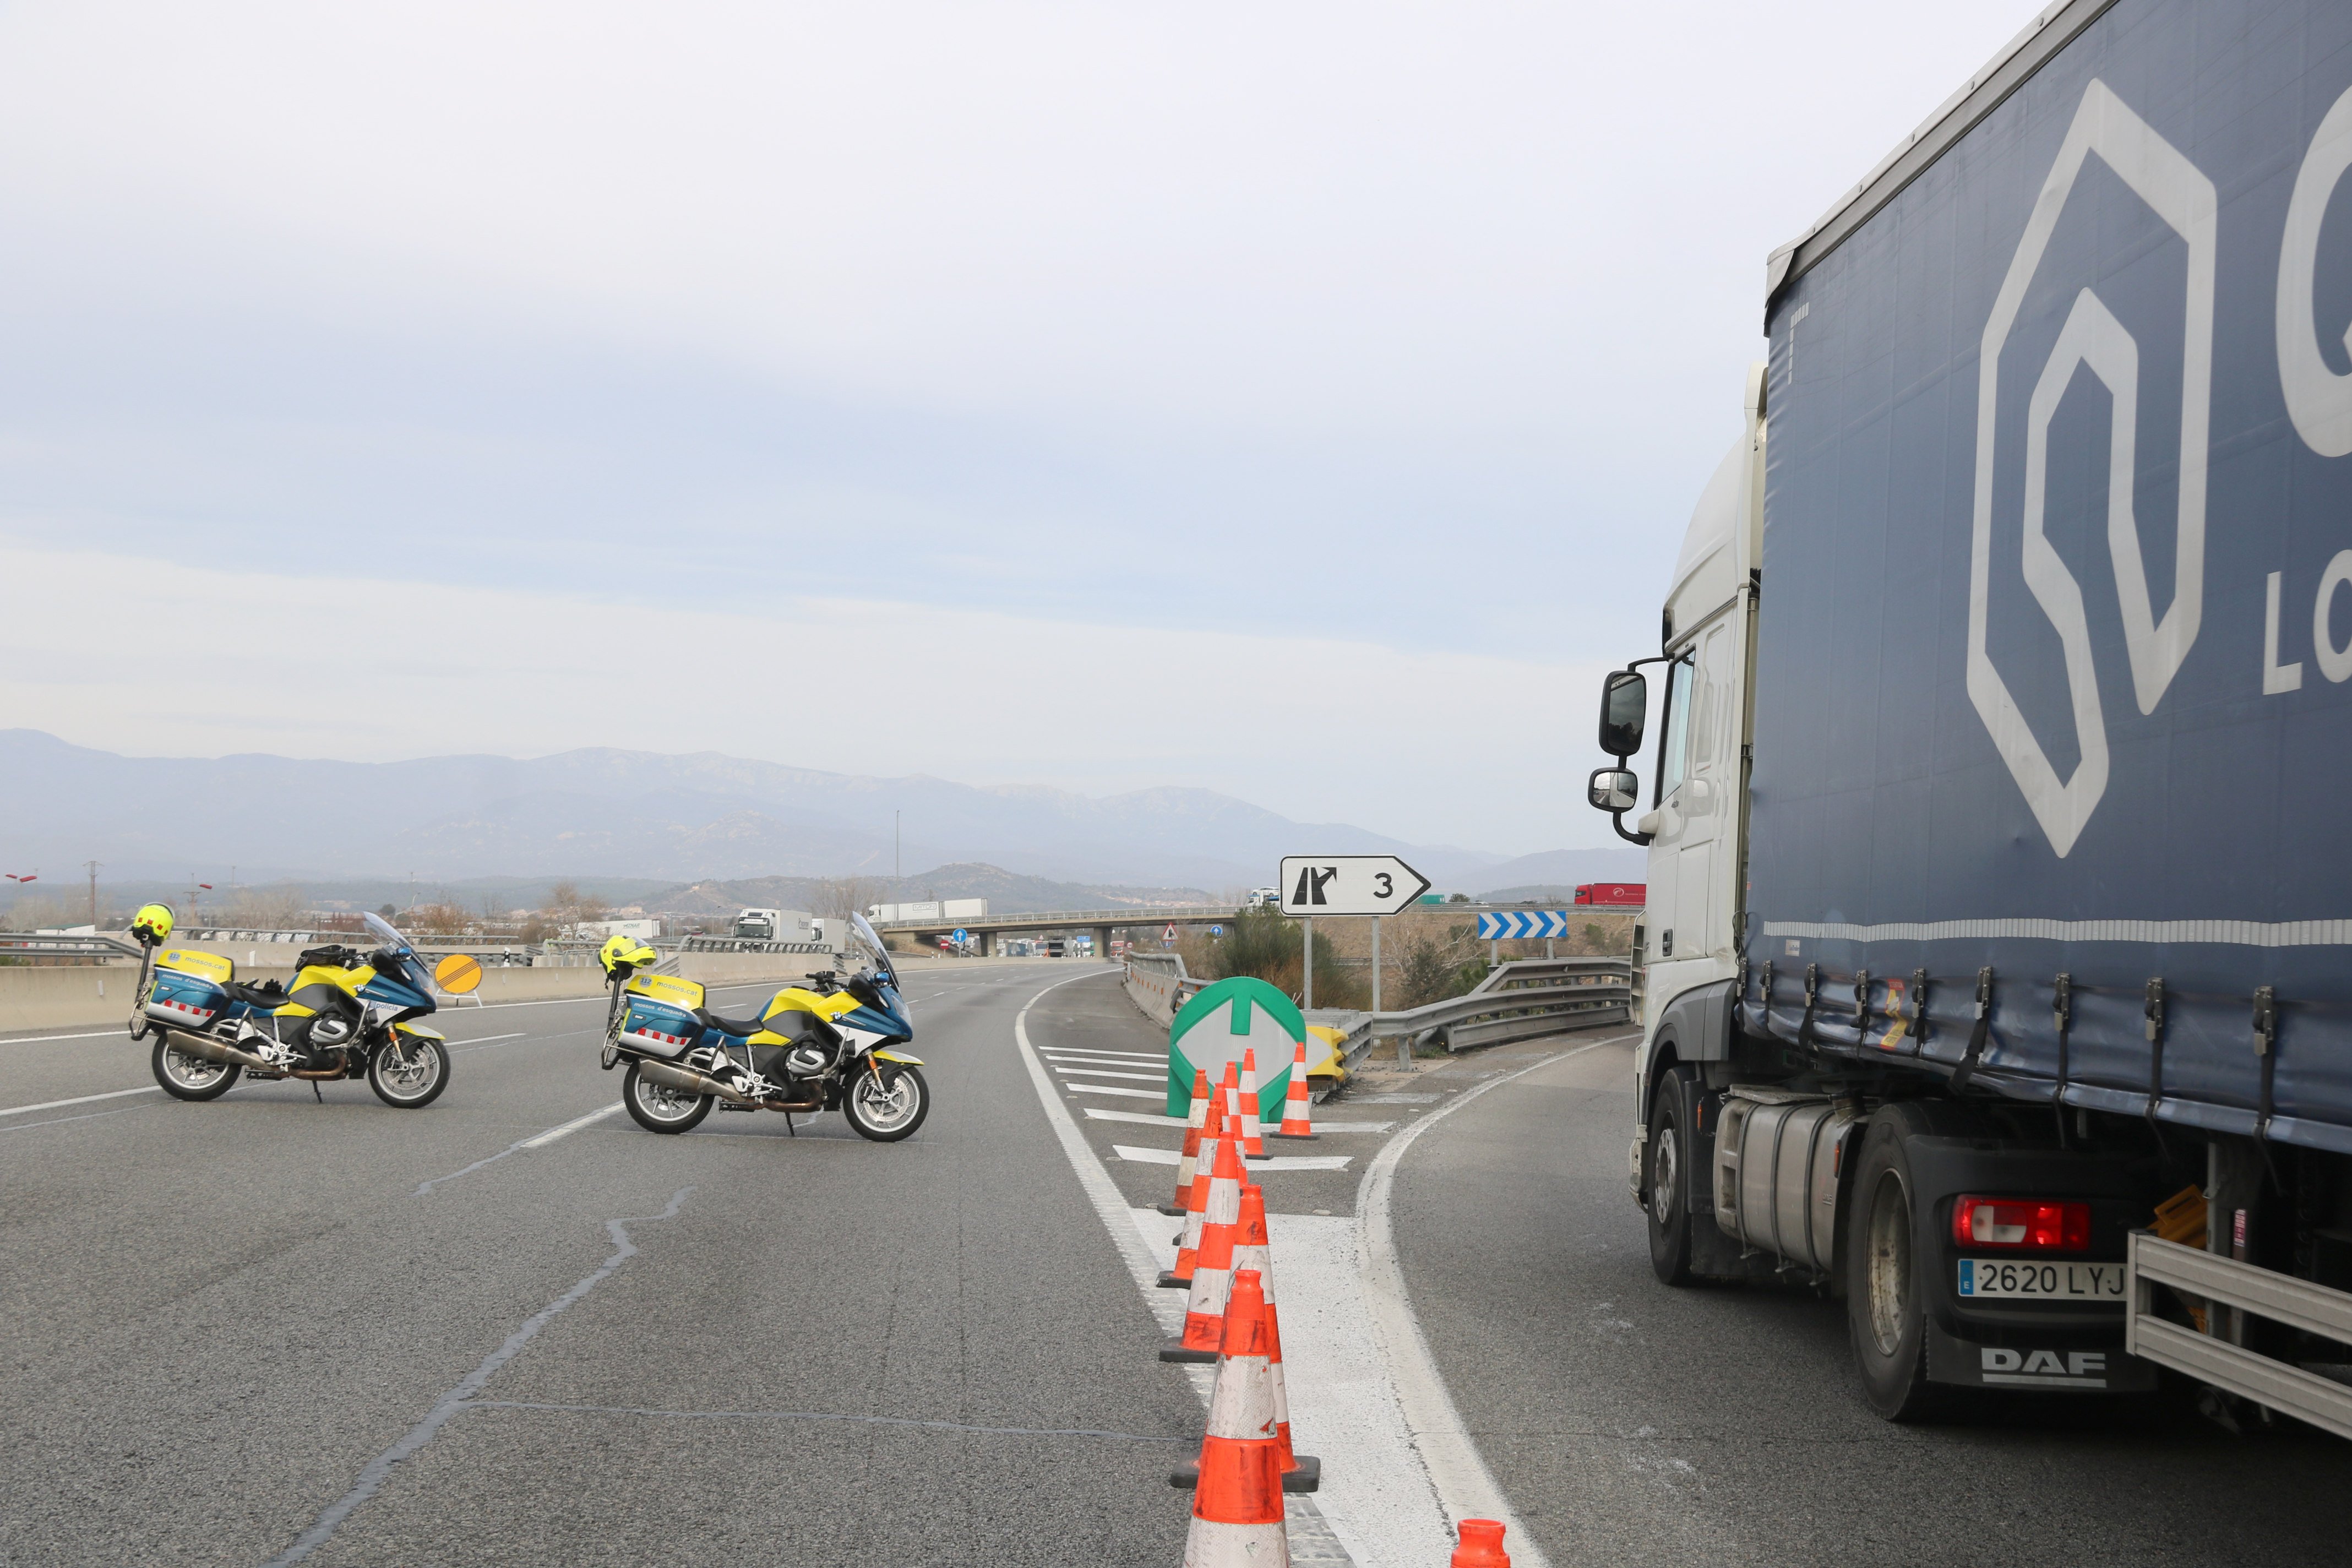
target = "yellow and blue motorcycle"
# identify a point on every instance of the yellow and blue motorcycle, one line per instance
(823, 1046)
(348, 1015)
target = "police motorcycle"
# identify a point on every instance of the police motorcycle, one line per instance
(821, 1047)
(347, 1015)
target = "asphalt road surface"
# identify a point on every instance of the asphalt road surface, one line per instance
(1631, 1424)
(238, 1331)
(268, 1329)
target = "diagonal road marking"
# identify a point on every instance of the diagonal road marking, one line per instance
(82, 1099)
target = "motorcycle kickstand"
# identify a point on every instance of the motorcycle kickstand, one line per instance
(790, 1130)
(315, 1093)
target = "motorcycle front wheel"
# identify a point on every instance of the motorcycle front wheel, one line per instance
(185, 1077)
(889, 1106)
(658, 1108)
(409, 1074)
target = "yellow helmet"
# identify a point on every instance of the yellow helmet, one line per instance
(153, 923)
(625, 952)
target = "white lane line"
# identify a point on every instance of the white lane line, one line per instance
(486, 1039)
(1057, 1053)
(574, 1125)
(1108, 1072)
(1144, 1117)
(1114, 1088)
(80, 1099)
(535, 1140)
(1278, 1162)
(1465, 1488)
(44, 1039)
(52, 1122)
(1323, 1126)
(1306, 1519)
(379, 1469)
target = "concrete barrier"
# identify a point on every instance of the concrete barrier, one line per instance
(1157, 983)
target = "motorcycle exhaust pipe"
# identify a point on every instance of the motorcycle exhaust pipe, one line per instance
(673, 1076)
(213, 1050)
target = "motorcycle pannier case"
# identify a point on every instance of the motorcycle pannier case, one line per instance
(187, 991)
(660, 1019)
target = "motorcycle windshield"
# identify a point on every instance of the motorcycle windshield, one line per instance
(410, 968)
(863, 931)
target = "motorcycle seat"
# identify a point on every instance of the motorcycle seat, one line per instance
(269, 994)
(739, 1027)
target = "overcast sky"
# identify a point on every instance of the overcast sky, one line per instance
(1303, 401)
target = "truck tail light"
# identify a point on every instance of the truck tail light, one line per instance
(2022, 1224)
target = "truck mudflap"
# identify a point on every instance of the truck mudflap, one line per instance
(2227, 1291)
(2027, 1362)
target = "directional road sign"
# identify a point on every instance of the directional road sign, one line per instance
(962, 934)
(1218, 1024)
(1349, 885)
(1506, 924)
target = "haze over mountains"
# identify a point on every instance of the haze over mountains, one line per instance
(604, 812)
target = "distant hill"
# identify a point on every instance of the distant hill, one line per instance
(605, 813)
(1554, 871)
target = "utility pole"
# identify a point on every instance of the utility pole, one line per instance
(92, 866)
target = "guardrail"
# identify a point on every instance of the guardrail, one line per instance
(39, 945)
(1518, 1001)
(747, 944)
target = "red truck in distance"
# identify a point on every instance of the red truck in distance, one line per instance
(1623, 894)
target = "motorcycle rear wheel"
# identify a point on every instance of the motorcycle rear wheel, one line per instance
(658, 1108)
(409, 1078)
(889, 1109)
(185, 1077)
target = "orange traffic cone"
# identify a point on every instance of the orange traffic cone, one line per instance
(1482, 1546)
(1253, 1249)
(1297, 1109)
(1251, 1146)
(1191, 1143)
(1196, 1204)
(1213, 1264)
(1237, 1505)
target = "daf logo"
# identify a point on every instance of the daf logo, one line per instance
(2093, 339)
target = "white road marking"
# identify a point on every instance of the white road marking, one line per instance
(52, 1122)
(574, 1125)
(1145, 1117)
(1278, 1162)
(1114, 1088)
(1308, 1519)
(1323, 1126)
(81, 1099)
(44, 1039)
(1449, 1456)
(486, 1039)
(1108, 1072)
(1091, 1053)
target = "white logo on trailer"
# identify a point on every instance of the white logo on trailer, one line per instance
(2092, 338)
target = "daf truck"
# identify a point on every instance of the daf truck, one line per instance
(1999, 938)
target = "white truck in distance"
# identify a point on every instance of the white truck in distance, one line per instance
(778, 925)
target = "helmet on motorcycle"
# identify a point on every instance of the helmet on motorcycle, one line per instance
(153, 923)
(623, 953)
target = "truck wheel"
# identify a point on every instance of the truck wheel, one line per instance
(1885, 1292)
(1668, 1178)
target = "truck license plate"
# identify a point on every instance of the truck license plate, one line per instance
(2012, 1277)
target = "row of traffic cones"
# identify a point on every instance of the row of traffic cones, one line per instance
(1224, 1261)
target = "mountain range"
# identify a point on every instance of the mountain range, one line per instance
(702, 816)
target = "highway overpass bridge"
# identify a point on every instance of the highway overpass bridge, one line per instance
(1143, 924)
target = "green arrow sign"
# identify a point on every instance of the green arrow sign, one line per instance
(1225, 1019)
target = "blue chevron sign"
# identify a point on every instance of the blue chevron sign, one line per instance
(1505, 924)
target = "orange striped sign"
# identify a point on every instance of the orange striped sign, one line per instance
(458, 973)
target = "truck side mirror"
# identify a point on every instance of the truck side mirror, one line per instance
(1613, 789)
(1624, 709)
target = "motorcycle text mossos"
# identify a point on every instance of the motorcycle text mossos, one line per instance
(821, 1047)
(347, 1015)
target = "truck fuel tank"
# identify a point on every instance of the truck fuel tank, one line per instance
(1778, 1154)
